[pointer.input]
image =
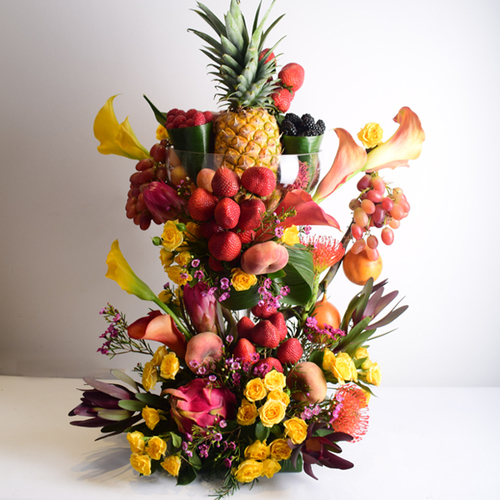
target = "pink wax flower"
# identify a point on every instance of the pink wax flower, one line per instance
(198, 403)
(201, 307)
(162, 201)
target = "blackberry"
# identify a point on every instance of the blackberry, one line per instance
(288, 128)
(320, 125)
(295, 119)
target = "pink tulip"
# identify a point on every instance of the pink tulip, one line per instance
(162, 201)
(197, 403)
(161, 328)
(201, 307)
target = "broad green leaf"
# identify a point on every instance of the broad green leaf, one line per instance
(286, 465)
(161, 118)
(186, 475)
(299, 276)
(323, 432)
(176, 440)
(128, 404)
(114, 415)
(152, 400)
(261, 432)
(242, 300)
(317, 358)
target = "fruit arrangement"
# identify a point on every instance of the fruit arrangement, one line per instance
(247, 340)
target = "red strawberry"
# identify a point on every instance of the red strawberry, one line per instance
(290, 351)
(224, 246)
(251, 213)
(259, 180)
(278, 320)
(227, 213)
(225, 182)
(265, 334)
(292, 75)
(270, 57)
(201, 204)
(244, 326)
(199, 118)
(246, 236)
(270, 364)
(282, 99)
(215, 265)
(209, 228)
(246, 351)
(191, 112)
(263, 311)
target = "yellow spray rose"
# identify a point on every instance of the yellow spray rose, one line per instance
(257, 450)
(296, 430)
(171, 236)
(193, 231)
(241, 280)
(371, 135)
(374, 375)
(136, 440)
(341, 366)
(247, 413)
(183, 259)
(159, 355)
(149, 376)
(270, 467)
(166, 296)
(280, 449)
(274, 380)
(279, 395)
(167, 258)
(291, 236)
(248, 470)
(272, 412)
(362, 353)
(141, 463)
(161, 133)
(169, 366)
(179, 275)
(172, 464)
(151, 416)
(255, 390)
(156, 448)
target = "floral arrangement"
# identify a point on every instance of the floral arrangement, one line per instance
(250, 369)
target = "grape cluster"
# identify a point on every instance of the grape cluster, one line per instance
(377, 206)
(147, 171)
(301, 126)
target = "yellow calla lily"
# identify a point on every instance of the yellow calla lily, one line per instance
(120, 271)
(115, 138)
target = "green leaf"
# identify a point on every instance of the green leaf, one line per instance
(195, 460)
(352, 347)
(114, 415)
(161, 118)
(152, 400)
(176, 440)
(261, 432)
(186, 475)
(128, 404)
(299, 276)
(317, 358)
(323, 432)
(354, 333)
(277, 274)
(242, 300)
(287, 466)
(125, 378)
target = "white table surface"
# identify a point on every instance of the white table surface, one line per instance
(423, 443)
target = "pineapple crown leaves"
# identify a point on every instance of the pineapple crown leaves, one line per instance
(243, 79)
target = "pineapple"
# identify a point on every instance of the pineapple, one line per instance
(246, 134)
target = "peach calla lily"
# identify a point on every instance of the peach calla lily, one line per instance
(116, 138)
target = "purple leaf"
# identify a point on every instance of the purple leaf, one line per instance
(115, 391)
(395, 313)
(385, 301)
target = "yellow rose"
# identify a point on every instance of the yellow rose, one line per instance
(328, 360)
(171, 236)
(279, 395)
(274, 380)
(149, 376)
(344, 369)
(184, 258)
(151, 416)
(141, 463)
(291, 236)
(280, 449)
(257, 450)
(179, 275)
(169, 366)
(136, 442)
(374, 375)
(241, 280)
(248, 470)
(272, 412)
(367, 396)
(161, 133)
(156, 448)
(165, 296)
(159, 355)
(362, 353)
(166, 258)
(371, 135)
(296, 430)
(255, 390)
(270, 467)
(172, 464)
(193, 232)
(247, 413)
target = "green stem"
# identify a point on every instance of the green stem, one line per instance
(174, 316)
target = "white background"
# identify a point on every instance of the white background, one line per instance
(62, 203)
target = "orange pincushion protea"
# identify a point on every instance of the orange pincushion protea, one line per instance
(350, 412)
(326, 251)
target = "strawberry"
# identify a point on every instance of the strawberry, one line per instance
(292, 76)
(224, 246)
(282, 99)
(270, 57)
(263, 311)
(244, 326)
(290, 351)
(278, 320)
(215, 265)
(209, 228)
(251, 213)
(199, 118)
(246, 236)
(245, 351)
(259, 180)
(265, 334)
(225, 182)
(269, 364)
(227, 213)
(201, 204)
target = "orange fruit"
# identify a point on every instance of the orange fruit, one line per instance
(326, 313)
(358, 268)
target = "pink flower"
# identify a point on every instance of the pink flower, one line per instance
(197, 403)
(162, 201)
(201, 307)
(161, 328)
